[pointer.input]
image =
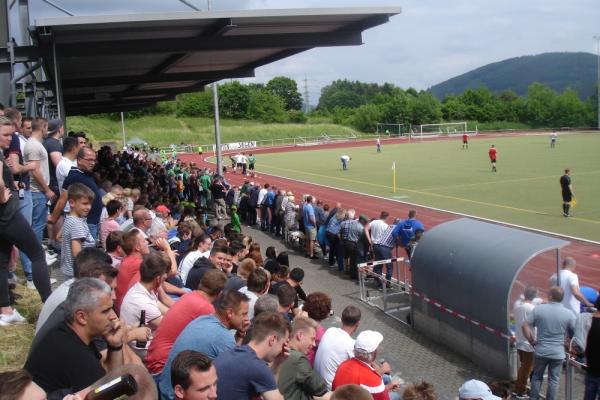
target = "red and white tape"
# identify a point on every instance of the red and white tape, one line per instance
(379, 262)
(494, 331)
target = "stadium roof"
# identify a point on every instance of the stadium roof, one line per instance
(127, 62)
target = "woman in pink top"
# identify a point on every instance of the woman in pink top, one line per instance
(318, 307)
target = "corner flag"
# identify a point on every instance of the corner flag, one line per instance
(394, 176)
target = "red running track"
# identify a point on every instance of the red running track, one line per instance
(537, 272)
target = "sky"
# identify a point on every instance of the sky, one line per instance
(429, 42)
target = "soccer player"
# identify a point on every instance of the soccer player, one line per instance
(553, 137)
(567, 192)
(465, 141)
(345, 160)
(378, 145)
(493, 153)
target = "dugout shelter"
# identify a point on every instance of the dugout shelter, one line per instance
(70, 65)
(463, 272)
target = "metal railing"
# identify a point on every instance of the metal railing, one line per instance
(393, 297)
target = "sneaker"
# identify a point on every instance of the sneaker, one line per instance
(12, 319)
(30, 285)
(50, 259)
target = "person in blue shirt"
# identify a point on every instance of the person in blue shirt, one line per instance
(310, 226)
(405, 230)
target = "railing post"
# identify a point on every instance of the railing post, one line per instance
(568, 379)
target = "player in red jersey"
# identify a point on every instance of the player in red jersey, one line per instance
(492, 153)
(465, 141)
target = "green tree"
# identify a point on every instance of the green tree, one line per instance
(425, 109)
(340, 98)
(296, 117)
(287, 89)
(365, 118)
(395, 107)
(511, 107)
(199, 104)
(266, 106)
(233, 100)
(453, 109)
(540, 105)
(568, 110)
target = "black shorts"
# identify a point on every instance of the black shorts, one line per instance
(465, 141)
(567, 196)
(251, 166)
(239, 165)
(492, 160)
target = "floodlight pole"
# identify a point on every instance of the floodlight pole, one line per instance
(597, 39)
(123, 129)
(215, 91)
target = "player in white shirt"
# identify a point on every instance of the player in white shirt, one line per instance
(345, 159)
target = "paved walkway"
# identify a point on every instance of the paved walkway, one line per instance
(413, 356)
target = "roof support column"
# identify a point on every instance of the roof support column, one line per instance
(60, 105)
(215, 91)
(5, 68)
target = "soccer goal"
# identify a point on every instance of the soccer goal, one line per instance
(448, 128)
(391, 129)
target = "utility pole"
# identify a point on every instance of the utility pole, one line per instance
(306, 98)
(597, 39)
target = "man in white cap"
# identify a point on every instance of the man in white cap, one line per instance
(476, 390)
(360, 370)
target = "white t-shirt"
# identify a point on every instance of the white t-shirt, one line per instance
(378, 227)
(187, 263)
(253, 297)
(567, 280)
(57, 296)
(336, 346)
(345, 158)
(138, 298)
(521, 312)
(62, 170)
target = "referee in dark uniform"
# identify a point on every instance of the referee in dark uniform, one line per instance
(567, 192)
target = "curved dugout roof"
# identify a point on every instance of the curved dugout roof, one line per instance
(470, 266)
(126, 62)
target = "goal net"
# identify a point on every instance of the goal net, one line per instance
(448, 128)
(391, 129)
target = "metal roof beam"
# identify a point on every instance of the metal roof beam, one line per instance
(156, 78)
(220, 43)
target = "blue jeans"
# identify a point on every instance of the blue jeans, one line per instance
(539, 366)
(94, 230)
(382, 253)
(26, 209)
(39, 214)
(592, 387)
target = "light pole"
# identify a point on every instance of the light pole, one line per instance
(597, 39)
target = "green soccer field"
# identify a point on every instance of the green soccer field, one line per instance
(524, 191)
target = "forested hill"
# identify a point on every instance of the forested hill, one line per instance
(557, 70)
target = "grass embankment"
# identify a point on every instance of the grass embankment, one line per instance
(16, 340)
(161, 130)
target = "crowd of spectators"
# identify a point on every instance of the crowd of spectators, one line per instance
(161, 281)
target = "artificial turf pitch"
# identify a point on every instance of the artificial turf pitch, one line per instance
(524, 191)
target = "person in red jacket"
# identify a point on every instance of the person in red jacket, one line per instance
(493, 153)
(362, 369)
